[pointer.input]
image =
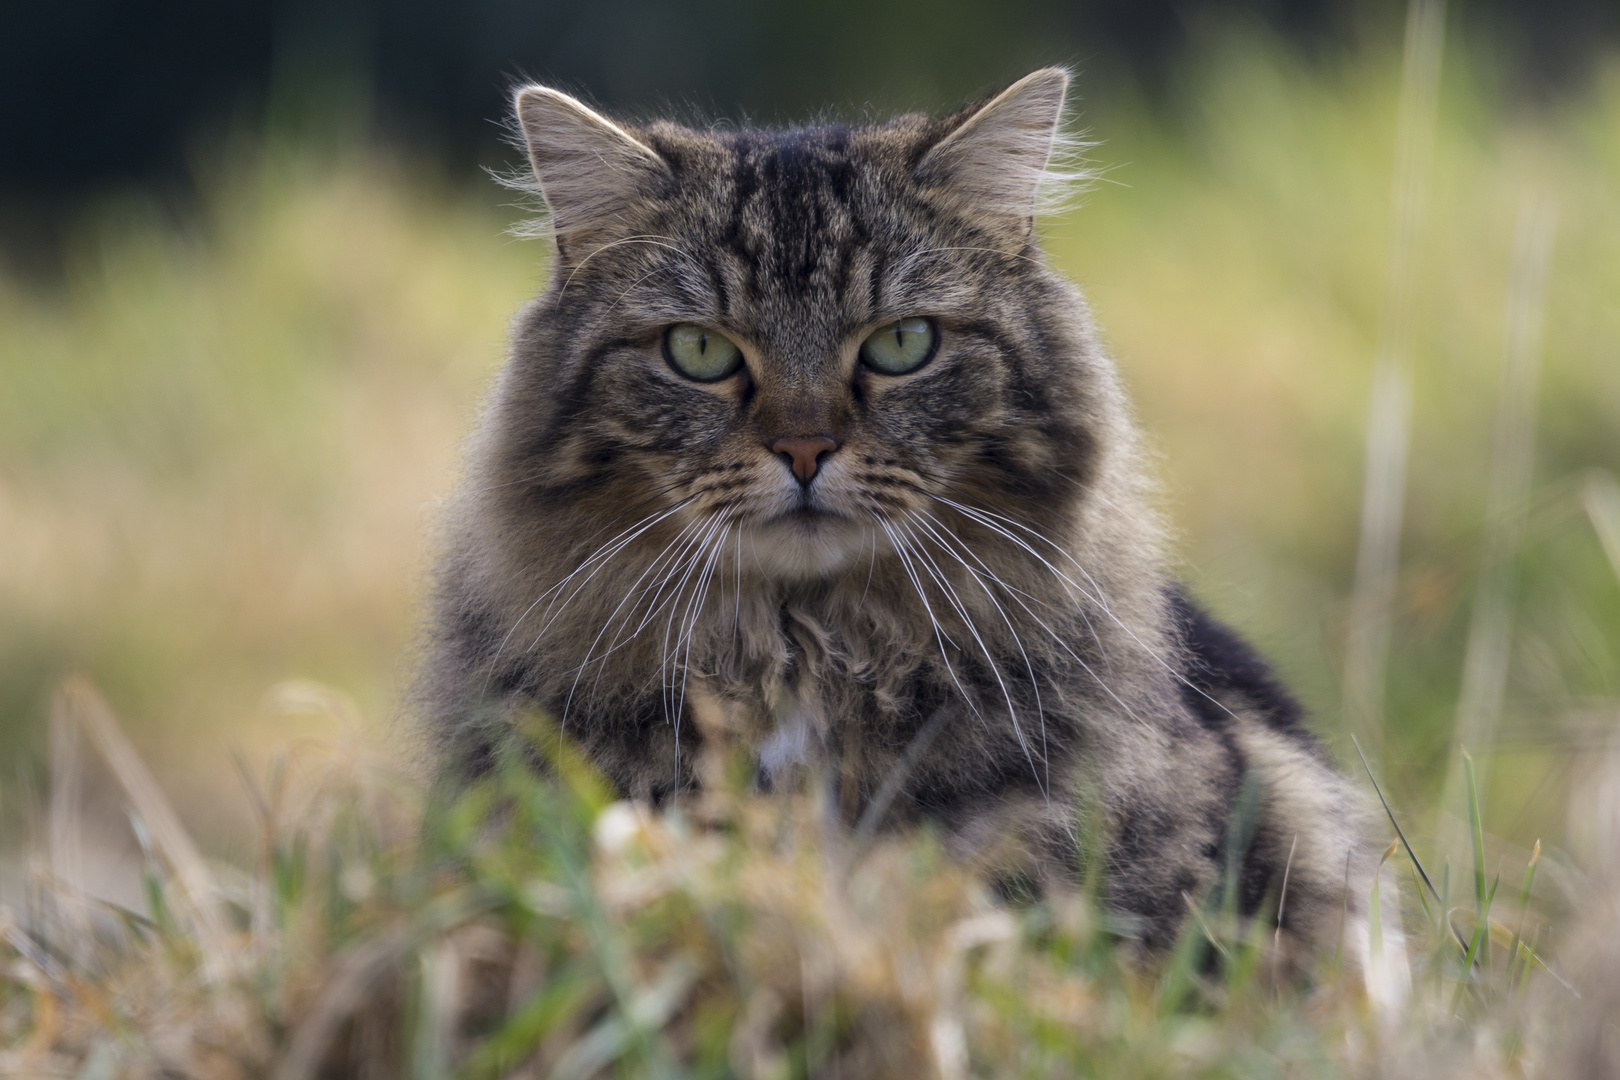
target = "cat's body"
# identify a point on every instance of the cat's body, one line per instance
(940, 586)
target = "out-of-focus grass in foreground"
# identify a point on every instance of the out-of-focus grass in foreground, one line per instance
(531, 927)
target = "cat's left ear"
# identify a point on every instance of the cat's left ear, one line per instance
(994, 159)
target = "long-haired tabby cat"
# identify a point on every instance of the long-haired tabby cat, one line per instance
(803, 436)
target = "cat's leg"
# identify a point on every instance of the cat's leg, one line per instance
(1317, 844)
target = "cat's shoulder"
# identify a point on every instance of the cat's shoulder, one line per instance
(1221, 670)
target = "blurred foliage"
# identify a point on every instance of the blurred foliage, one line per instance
(222, 437)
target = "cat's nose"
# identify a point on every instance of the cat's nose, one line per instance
(804, 453)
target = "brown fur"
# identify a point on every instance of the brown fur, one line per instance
(966, 617)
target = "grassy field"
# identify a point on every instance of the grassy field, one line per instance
(536, 928)
(223, 436)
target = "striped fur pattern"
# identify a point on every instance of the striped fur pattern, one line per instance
(965, 617)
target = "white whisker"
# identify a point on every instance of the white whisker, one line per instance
(955, 601)
(1016, 595)
(552, 616)
(736, 616)
(667, 652)
(871, 568)
(666, 242)
(1147, 649)
(643, 525)
(985, 518)
(939, 636)
(1029, 667)
(701, 594)
(585, 663)
(658, 600)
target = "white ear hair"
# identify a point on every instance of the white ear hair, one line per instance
(996, 160)
(591, 170)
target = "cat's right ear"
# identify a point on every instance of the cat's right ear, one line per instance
(592, 172)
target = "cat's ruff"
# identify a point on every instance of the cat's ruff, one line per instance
(804, 433)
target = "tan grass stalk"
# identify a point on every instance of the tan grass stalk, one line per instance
(1389, 414)
(356, 975)
(441, 1001)
(1490, 632)
(66, 824)
(1600, 494)
(80, 706)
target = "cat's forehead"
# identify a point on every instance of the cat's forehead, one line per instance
(800, 213)
(799, 184)
(800, 158)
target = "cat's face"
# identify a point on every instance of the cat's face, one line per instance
(802, 342)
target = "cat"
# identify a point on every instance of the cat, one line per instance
(804, 443)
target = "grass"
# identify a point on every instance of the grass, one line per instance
(222, 438)
(534, 927)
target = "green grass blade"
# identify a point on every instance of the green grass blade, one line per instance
(1428, 912)
(1375, 910)
(1407, 844)
(1476, 832)
(564, 995)
(1481, 933)
(1181, 971)
(1524, 907)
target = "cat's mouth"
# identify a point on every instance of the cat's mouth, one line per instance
(804, 542)
(809, 515)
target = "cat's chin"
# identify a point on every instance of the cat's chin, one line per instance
(802, 546)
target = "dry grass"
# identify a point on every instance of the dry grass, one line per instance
(535, 928)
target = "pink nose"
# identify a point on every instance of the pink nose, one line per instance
(803, 451)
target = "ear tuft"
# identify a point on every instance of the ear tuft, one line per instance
(993, 163)
(592, 172)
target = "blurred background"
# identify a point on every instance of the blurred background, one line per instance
(254, 278)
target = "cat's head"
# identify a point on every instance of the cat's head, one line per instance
(809, 342)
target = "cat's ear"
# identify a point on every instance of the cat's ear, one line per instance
(994, 160)
(592, 172)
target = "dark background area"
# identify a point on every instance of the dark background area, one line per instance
(98, 94)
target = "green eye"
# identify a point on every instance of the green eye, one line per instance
(700, 353)
(900, 347)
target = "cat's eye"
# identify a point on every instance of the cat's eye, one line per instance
(902, 346)
(699, 353)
